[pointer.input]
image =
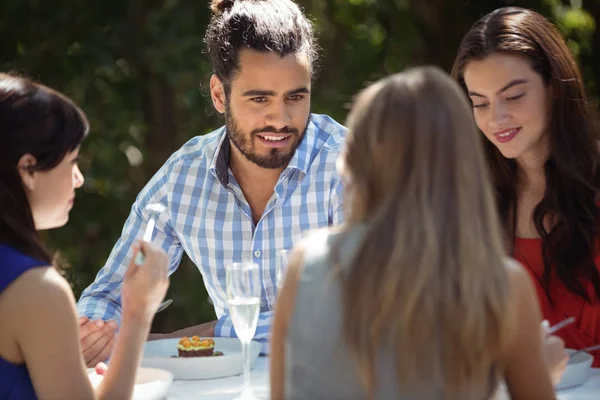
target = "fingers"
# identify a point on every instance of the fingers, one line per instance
(564, 361)
(145, 286)
(112, 324)
(88, 327)
(545, 329)
(151, 252)
(559, 366)
(88, 342)
(94, 344)
(156, 260)
(559, 345)
(555, 345)
(545, 325)
(100, 368)
(560, 341)
(131, 270)
(104, 352)
(556, 357)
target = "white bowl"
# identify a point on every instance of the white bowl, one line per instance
(150, 383)
(578, 370)
(163, 354)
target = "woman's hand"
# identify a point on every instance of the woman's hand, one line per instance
(145, 286)
(554, 353)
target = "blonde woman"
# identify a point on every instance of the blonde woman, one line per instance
(413, 298)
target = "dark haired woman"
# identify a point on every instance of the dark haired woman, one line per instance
(530, 103)
(40, 355)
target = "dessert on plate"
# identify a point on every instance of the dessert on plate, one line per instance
(196, 347)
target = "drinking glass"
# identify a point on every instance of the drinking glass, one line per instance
(282, 263)
(243, 300)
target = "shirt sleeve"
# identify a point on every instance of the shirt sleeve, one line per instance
(102, 299)
(336, 216)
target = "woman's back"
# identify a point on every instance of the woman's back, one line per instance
(15, 382)
(319, 364)
(423, 304)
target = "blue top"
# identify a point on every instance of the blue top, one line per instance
(15, 383)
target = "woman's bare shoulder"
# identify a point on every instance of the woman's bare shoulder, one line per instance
(46, 280)
(520, 285)
(40, 288)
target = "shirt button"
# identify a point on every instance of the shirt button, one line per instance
(263, 302)
(257, 253)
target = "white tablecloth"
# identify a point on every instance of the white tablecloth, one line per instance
(229, 388)
(590, 390)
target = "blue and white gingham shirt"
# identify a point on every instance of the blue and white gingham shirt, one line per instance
(208, 217)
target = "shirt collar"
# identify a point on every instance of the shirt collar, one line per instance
(300, 160)
(219, 165)
(303, 154)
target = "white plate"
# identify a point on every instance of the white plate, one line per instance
(150, 383)
(159, 354)
(578, 370)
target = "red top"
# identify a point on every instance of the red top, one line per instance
(585, 331)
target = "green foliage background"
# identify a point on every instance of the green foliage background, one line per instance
(139, 71)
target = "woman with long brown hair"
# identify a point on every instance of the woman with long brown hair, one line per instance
(413, 297)
(540, 134)
(41, 131)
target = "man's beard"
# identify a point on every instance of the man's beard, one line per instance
(276, 158)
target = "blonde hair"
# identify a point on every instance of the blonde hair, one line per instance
(429, 278)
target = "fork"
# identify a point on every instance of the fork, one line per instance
(586, 350)
(561, 325)
(164, 305)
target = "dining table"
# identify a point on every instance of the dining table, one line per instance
(231, 387)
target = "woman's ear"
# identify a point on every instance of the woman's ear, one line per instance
(25, 168)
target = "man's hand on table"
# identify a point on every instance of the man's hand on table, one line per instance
(203, 330)
(97, 339)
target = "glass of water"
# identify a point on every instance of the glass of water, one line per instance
(282, 263)
(243, 300)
